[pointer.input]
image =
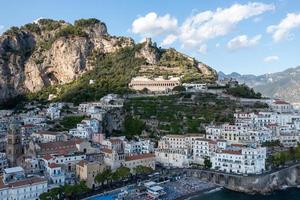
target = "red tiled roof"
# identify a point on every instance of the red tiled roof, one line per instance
(280, 102)
(28, 126)
(47, 157)
(204, 139)
(81, 163)
(57, 147)
(47, 133)
(115, 141)
(27, 181)
(139, 156)
(105, 150)
(52, 165)
(232, 152)
(237, 145)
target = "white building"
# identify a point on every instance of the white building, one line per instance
(14, 185)
(281, 106)
(138, 147)
(158, 84)
(3, 162)
(36, 119)
(48, 136)
(240, 159)
(173, 157)
(85, 129)
(194, 87)
(55, 175)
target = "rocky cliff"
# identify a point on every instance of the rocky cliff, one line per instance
(50, 52)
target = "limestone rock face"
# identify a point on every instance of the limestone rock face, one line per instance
(26, 65)
(50, 52)
(148, 52)
(14, 51)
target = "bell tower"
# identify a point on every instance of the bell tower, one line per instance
(14, 145)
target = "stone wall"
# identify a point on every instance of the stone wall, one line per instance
(263, 184)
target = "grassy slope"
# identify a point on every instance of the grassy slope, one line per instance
(179, 113)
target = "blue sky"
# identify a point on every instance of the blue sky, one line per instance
(243, 36)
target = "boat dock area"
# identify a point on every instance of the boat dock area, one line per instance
(185, 187)
(167, 190)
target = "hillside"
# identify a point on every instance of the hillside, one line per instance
(177, 114)
(284, 85)
(59, 57)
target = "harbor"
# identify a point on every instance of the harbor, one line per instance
(180, 188)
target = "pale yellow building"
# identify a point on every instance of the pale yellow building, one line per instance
(154, 85)
(87, 171)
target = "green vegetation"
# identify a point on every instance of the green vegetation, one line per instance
(179, 113)
(243, 91)
(275, 143)
(104, 176)
(207, 163)
(50, 24)
(33, 27)
(178, 88)
(70, 30)
(112, 74)
(12, 31)
(142, 170)
(133, 126)
(66, 192)
(108, 176)
(67, 123)
(281, 158)
(86, 22)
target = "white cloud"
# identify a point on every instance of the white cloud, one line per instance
(198, 28)
(152, 25)
(170, 39)
(37, 20)
(282, 30)
(203, 49)
(1, 29)
(242, 41)
(210, 24)
(218, 45)
(269, 59)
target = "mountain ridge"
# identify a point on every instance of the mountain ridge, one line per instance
(50, 52)
(283, 85)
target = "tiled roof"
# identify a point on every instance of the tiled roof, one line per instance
(27, 181)
(47, 157)
(53, 165)
(232, 152)
(105, 150)
(115, 141)
(82, 163)
(280, 102)
(139, 156)
(47, 133)
(59, 146)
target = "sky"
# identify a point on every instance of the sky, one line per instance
(248, 37)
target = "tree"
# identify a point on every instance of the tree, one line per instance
(179, 88)
(297, 152)
(207, 163)
(140, 169)
(104, 176)
(53, 194)
(144, 91)
(121, 173)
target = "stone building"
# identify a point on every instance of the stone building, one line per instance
(154, 85)
(87, 171)
(14, 148)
